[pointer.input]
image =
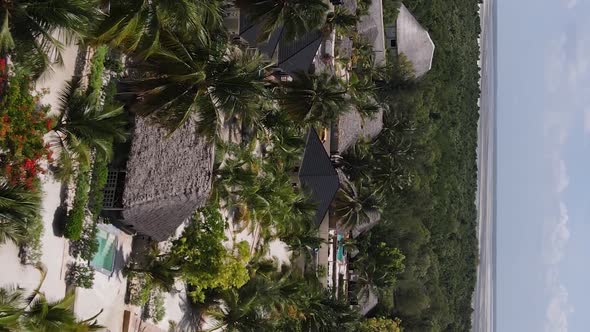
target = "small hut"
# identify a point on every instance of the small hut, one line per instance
(167, 178)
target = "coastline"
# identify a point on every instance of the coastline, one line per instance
(484, 294)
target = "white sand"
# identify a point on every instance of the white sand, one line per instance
(54, 248)
(108, 292)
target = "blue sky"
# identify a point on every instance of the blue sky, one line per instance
(543, 166)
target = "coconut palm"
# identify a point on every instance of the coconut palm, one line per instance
(18, 207)
(36, 26)
(136, 25)
(296, 17)
(83, 126)
(356, 205)
(188, 78)
(314, 98)
(342, 21)
(36, 314)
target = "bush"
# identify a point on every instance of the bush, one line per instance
(87, 245)
(140, 290)
(31, 249)
(80, 275)
(22, 126)
(100, 175)
(77, 215)
(96, 71)
(157, 311)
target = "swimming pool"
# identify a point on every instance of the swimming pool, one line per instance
(104, 259)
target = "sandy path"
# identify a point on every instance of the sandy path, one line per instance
(54, 248)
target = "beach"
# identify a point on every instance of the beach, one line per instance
(484, 296)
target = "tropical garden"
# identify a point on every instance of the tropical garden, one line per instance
(173, 62)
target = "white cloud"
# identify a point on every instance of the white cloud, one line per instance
(558, 310)
(557, 235)
(555, 63)
(563, 179)
(570, 3)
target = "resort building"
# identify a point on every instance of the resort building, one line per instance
(289, 55)
(409, 38)
(165, 179)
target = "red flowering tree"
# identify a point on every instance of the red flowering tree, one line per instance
(23, 122)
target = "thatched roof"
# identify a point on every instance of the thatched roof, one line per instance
(414, 42)
(167, 178)
(352, 127)
(371, 29)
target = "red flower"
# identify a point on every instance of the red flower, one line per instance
(49, 123)
(5, 118)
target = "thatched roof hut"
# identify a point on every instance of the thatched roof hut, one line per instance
(352, 127)
(414, 41)
(167, 178)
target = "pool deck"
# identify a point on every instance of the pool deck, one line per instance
(108, 292)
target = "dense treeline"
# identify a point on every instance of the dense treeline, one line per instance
(426, 160)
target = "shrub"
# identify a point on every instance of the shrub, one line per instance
(80, 275)
(100, 175)
(77, 215)
(31, 249)
(156, 308)
(22, 126)
(140, 290)
(97, 65)
(87, 245)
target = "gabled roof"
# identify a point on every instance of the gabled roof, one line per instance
(317, 175)
(297, 55)
(293, 55)
(250, 32)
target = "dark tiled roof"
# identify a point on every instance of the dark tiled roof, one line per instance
(297, 55)
(250, 31)
(317, 175)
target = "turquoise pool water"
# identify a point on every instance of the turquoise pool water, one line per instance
(340, 252)
(105, 256)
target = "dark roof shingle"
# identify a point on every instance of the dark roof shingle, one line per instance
(317, 175)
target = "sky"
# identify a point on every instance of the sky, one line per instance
(543, 180)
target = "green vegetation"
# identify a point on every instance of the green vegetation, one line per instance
(19, 213)
(77, 215)
(425, 162)
(380, 325)
(390, 11)
(96, 72)
(80, 275)
(28, 27)
(33, 312)
(296, 16)
(418, 177)
(199, 258)
(22, 126)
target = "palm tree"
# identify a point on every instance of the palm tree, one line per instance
(314, 98)
(356, 206)
(35, 313)
(240, 312)
(18, 207)
(342, 20)
(34, 26)
(84, 125)
(136, 25)
(187, 78)
(296, 17)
